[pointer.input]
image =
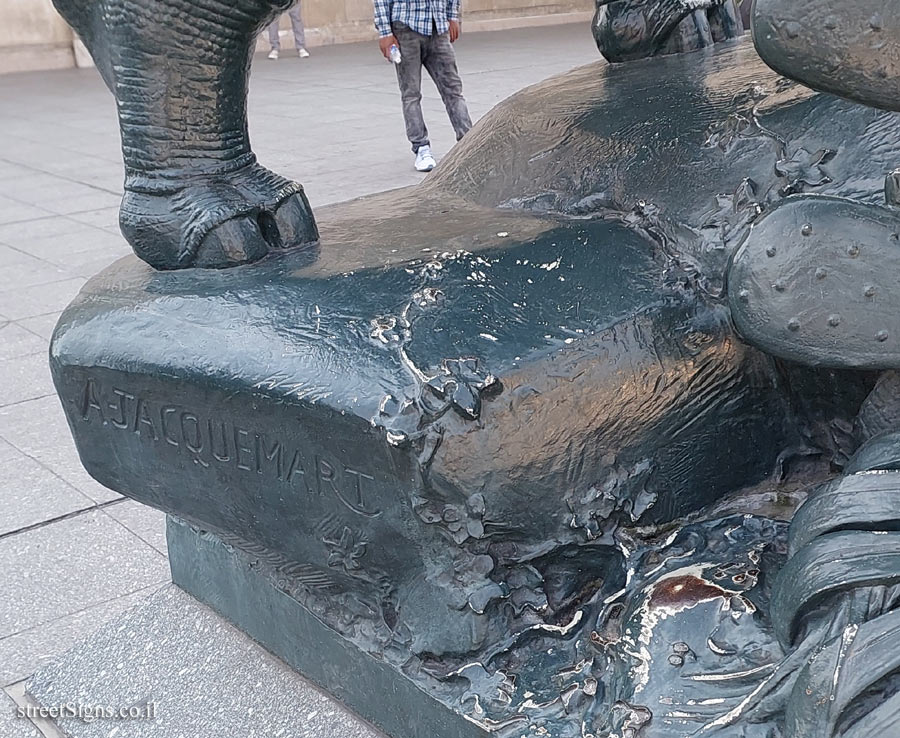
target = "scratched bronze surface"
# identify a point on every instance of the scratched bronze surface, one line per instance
(537, 459)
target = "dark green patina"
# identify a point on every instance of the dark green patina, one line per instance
(532, 472)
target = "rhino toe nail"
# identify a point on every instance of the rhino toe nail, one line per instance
(236, 241)
(295, 222)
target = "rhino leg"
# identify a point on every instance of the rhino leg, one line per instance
(194, 194)
(85, 17)
(726, 22)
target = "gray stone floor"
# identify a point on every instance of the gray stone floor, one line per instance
(73, 554)
(205, 677)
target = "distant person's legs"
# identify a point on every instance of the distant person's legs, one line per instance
(274, 39)
(296, 17)
(409, 75)
(745, 12)
(440, 61)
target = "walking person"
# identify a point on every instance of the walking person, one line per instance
(424, 31)
(299, 33)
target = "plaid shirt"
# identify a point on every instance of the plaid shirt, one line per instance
(423, 16)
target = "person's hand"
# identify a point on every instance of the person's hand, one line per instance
(455, 30)
(385, 43)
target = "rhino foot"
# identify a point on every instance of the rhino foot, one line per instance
(216, 220)
(194, 194)
(634, 29)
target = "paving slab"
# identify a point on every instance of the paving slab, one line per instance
(40, 325)
(27, 302)
(12, 726)
(65, 205)
(72, 250)
(9, 171)
(16, 340)
(25, 378)
(204, 677)
(24, 653)
(106, 218)
(41, 188)
(45, 728)
(31, 493)
(145, 522)
(23, 270)
(13, 211)
(20, 235)
(32, 187)
(38, 429)
(66, 567)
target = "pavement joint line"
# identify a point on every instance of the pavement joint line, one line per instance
(56, 215)
(154, 586)
(51, 470)
(74, 514)
(101, 190)
(39, 315)
(71, 275)
(134, 533)
(33, 220)
(3, 406)
(41, 258)
(27, 353)
(26, 328)
(18, 693)
(56, 175)
(67, 278)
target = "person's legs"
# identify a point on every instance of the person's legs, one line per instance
(409, 75)
(274, 38)
(296, 17)
(440, 61)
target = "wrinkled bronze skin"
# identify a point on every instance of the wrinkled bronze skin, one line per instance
(633, 29)
(194, 194)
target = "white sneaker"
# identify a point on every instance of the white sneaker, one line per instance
(425, 159)
(273, 54)
(302, 53)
